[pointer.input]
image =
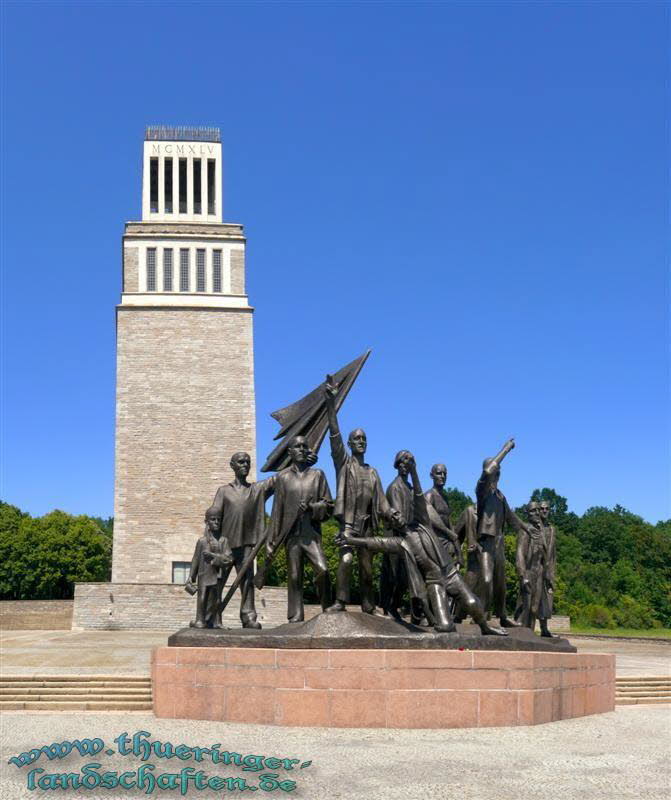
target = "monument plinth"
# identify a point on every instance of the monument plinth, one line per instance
(361, 671)
(354, 630)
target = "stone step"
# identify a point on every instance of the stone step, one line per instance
(74, 705)
(642, 689)
(634, 687)
(67, 685)
(76, 678)
(76, 689)
(75, 693)
(145, 697)
(639, 687)
(643, 683)
(631, 701)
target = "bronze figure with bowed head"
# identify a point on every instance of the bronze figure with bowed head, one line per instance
(360, 505)
(432, 576)
(393, 577)
(437, 498)
(531, 564)
(302, 502)
(493, 511)
(550, 535)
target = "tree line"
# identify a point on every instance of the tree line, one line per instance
(613, 567)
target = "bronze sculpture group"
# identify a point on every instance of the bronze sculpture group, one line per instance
(421, 549)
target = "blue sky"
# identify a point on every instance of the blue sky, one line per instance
(477, 191)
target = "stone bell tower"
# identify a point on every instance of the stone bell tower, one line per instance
(185, 358)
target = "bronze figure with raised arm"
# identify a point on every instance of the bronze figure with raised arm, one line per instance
(359, 507)
(432, 573)
(493, 511)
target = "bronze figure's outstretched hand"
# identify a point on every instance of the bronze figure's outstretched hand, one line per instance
(343, 538)
(330, 389)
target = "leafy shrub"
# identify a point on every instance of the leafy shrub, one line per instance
(595, 616)
(630, 613)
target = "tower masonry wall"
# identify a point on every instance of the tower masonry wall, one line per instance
(185, 403)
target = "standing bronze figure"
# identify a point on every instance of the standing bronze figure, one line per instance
(493, 510)
(436, 497)
(531, 562)
(302, 501)
(241, 509)
(211, 563)
(550, 535)
(393, 577)
(432, 576)
(360, 505)
(467, 531)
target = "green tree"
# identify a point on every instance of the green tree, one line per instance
(41, 558)
(458, 501)
(561, 516)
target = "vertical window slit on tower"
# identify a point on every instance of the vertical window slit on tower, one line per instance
(197, 187)
(200, 270)
(153, 184)
(167, 175)
(216, 270)
(182, 186)
(210, 186)
(184, 270)
(167, 270)
(151, 269)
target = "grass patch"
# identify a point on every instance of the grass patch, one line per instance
(647, 633)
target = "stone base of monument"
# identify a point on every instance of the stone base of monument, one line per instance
(352, 670)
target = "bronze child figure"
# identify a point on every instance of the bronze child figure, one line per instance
(211, 563)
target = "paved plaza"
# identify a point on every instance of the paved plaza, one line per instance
(622, 754)
(128, 652)
(613, 756)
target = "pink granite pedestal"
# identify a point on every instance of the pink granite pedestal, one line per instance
(380, 688)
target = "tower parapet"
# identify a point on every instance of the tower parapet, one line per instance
(185, 358)
(182, 175)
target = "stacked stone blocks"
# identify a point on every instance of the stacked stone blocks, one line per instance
(380, 688)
